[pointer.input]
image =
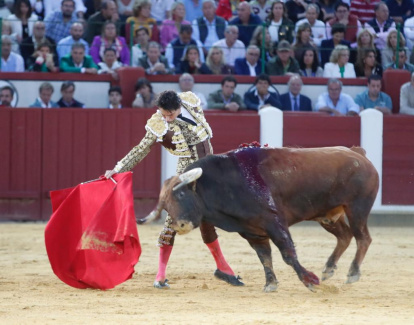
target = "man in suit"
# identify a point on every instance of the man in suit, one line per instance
(45, 94)
(225, 98)
(293, 100)
(327, 45)
(154, 62)
(77, 61)
(259, 97)
(251, 65)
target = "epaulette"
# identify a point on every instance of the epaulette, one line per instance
(190, 99)
(157, 125)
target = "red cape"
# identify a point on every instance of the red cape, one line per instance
(92, 239)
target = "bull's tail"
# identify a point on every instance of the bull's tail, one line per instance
(154, 215)
(359, 150)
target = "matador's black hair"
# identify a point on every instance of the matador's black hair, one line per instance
(168, 100)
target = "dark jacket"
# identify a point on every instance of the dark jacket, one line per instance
(27, 49)
(275, 67)
(241, 67)
(305, 103)
(95, 23)
(178, 50)
(286, 30)
(67, 65)
(143, 63)
(252, 100)
(75, 104)
(246, 31)
(327, 47)
(373, 23)
(361, 73)
(215, 100)
(202, 27)
(184, 66)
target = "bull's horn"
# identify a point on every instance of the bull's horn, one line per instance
(188, 177)
(155, 214)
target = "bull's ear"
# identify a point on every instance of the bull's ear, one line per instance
(188, 177)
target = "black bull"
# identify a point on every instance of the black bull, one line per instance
(260, 192)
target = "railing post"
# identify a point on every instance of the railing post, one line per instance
(131, 41)
(397, 50)
(263, 46)
(1, 33)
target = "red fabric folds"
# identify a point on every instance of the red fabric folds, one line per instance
(92, 238)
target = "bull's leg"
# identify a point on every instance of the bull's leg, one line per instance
(343, 234)
(263, 250)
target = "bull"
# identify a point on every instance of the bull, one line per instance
(260, 192)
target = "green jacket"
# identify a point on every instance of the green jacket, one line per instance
(215, 100)
(67, 65)
(275, 67)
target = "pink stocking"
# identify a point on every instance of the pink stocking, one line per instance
(222, 265)
(165, 252)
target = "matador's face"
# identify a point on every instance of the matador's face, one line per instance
(169, 115)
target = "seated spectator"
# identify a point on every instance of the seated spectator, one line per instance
(10, 62)
(293, 100)
(283, 63)
(22, 20)
(328, 8)
(225, 98)
(343, 17)
(336, 103)
(141, 41)
(154, 62)
(192, 9)
(176, 49)
(363, 9)
(365, 41)
(407, 97)
(108, 12)
(109, 64)
(28, 45)
(367, 65)
(115, 97)
(144, 95)
(170, 27)
(246, 22)
(191, 62)
(58, 23)
(400, 10)
(77, 61)
(281, 28)
(251, 65)
(259, 96)
(409, 31)
(142, 18)
(161, 9)
(110, 39)
(381, 25)
(269, 46)
(67, 91)
(227, 9)
(65, 44)
(215, 61)
(309, 64)
(45, 94)
(402, 62)
(339, 67)
(43, 59)
(231, 46)
(50, 6)
(125, 9)
(303, 40)
(297, 10)
(6, 96)
(186, 83)
(317, 26)
(338, 33)
(262, 8)
(373, 97)
(7, 30)
(388, 52)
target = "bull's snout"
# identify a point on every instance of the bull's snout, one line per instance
(182, 226)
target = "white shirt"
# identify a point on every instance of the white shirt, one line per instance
(261, 100)
(381, 39)
(238, 50)
(331, 70)
(212, 36)
(318, 30)
(43, 104)
(274, 30)
(159, 8)
(252, 69)
(112, 107)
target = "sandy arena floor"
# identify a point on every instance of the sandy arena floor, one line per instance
(31, 294)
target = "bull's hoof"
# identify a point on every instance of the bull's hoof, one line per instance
(161, 284)
(353, 278)
(311, 287)
(271, 287)
(328, 272)
(231, 279)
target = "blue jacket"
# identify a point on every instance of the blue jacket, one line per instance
(305, 103)
(38, 104)
(246, 31)
(241, 67)
(252, 101)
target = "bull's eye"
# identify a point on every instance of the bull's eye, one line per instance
(180, 195)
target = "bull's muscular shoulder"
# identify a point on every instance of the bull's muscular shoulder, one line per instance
(189, 99)
(157, 125)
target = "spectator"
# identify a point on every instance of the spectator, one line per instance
(7, 30)
(77, 61)
(262, 8)
(140, 47)
(363, 9)
(269, 46)
(96, 21)
(259, 97)
(338, 33)
(109, 64)
(280, 26)
(144, 95)
(28, 45)
(6, 96)
(297, 9)
(293, 100)
(191, 62)
(67, 91)
(339, 67)
(58, 23)
(351, 23)
(215, 61)
(328, 8)
(336, 103)
(246, 22)
(402, 62)
(381, 25)
(388, 52)
(176, 49)
(365, 41)
(373, 97)
(115, 97)
(208, 28)
(407, 97)
(125, 9)
(10, 62)
(231, 46)
(251, 65)
(22, 21)
(38, 8)
(186, 83)
(154, 62)
(283, 63)
(303, 40)
(44, 60)
(110, 39)
(54, 5)
(5, 9)
(317, 26)
(367, 65)
(225, 98)
(400, 10)
(65, 44)
(45, 94)
(142, 18)
(409, 30)
(170, 27)
(193, 9)
(309, 64)
(161, 9)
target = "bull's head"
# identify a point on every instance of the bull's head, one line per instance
(178, 198)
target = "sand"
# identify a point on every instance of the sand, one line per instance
(31, 294)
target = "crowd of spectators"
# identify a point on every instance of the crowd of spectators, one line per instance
(261, 38)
